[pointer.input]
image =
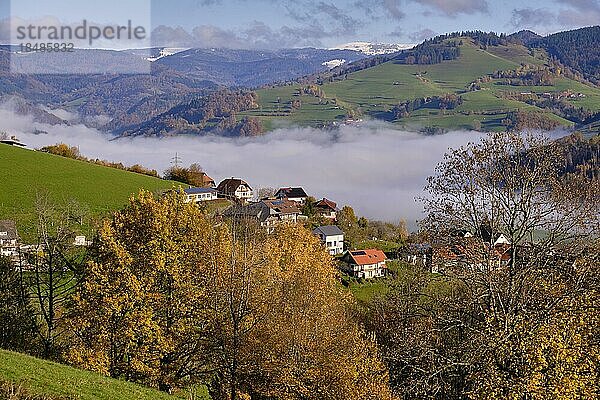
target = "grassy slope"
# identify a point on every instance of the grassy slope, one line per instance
(24, 173)
(42, 377)
(375, 90)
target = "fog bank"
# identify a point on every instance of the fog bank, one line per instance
(374, 168)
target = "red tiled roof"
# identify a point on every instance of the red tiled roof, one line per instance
(207, 180)
(366, 257)
(324, 203)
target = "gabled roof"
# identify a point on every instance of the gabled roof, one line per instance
(328, 204)
(199, 190)
(328, 230)
(366, 257)
(230, 185)
(207, 181)
(10, 227)
(283, 206)
(291, 192)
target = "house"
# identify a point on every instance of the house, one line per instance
(13, 142)
(268, 213)
(234, 188)
(9, 239)
(296, 194)
(332, 237)
(420, 255)
(365, 263)
(326, 209)
(208, 182)
(198, 195)
(81, 241)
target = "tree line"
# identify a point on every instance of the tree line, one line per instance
(64, 150)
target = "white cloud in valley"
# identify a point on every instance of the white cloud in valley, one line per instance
(376, 169)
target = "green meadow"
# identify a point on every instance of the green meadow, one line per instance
(371, 92)
(25, 174)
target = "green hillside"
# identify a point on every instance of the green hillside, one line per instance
(56, 381)
(25, 173)
(373, 92)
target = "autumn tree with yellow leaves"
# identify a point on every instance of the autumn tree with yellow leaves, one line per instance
(174, 298)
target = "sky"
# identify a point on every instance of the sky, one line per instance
(270, 24)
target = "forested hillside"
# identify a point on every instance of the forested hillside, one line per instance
(578, 49)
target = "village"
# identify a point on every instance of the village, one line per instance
(270, 208)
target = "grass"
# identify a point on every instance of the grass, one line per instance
(52, 380)
(375, 90)
(364, 292)
(25, 173)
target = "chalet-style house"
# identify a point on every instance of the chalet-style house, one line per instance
(296, 194)
(235, 189)
(332, 237)
(326, 209)
(199, 195)
(365, 263)
(268, 213)
(9, 239)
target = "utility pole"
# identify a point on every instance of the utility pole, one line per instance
(175, 161)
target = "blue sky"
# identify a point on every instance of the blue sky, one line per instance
(326, 23)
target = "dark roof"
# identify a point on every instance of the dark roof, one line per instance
(259, 211)
(328, 230)
(199, 190)
(12, 142)
(327, 204)
(10, 228)
(291, 192)
(230, 185)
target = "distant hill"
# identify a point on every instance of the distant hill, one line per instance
(112, 102)
(252, 68)
(469, 80)
(41, 379)
(24, 173)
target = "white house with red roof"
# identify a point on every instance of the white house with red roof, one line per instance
(365, 263)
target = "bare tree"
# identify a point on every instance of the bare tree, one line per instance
(56, 268)
(514, 237)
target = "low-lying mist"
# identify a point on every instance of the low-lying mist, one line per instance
(374, 168)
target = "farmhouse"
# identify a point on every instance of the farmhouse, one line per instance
(9, 239)
(332, 237)
(234, 188)
(326, 209)
(296, 194)
(199, 195)
(365, 263)
(267, 213)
